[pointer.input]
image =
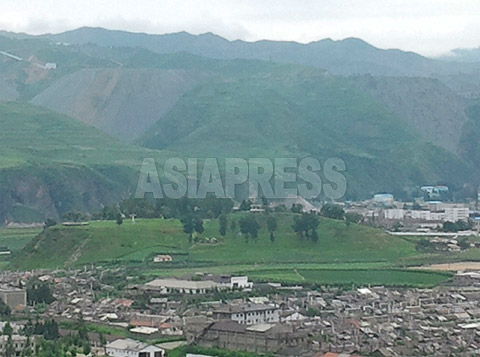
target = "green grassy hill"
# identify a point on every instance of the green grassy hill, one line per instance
(108, 242)
(51, 164)
(343, 254)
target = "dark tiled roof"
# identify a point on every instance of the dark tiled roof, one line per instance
(230, 326)
(244, 308)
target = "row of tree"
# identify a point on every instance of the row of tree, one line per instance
(305, 224)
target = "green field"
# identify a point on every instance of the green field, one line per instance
(16, 238)
(361, 276)
(343, 254)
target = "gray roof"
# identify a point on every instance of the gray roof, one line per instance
(181, 284)
(230, 326)
(128, 344)
(11, 289)
(260, 327)
(244, 308)
(233, 326)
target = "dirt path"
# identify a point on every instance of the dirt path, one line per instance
(76, 254)
(300, 275)
(453, 266)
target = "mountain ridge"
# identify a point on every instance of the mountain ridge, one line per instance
(390, 61)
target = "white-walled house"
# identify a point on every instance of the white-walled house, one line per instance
(454, 214)
(394, 214)
(240, 282)
(131, 348)
(248, 314)
(162, 258)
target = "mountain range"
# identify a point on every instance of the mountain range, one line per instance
(81, 109)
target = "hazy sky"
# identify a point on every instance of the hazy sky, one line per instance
(430, 27)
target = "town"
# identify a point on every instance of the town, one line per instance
(156, 317)
(115, 310)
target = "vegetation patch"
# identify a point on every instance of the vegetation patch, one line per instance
(357, 277)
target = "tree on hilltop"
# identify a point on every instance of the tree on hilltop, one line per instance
(272, 226)
(306, 226)
(249, 227)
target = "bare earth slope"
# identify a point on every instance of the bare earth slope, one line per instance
(121, 102)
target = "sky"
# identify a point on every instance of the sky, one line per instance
(428, 27)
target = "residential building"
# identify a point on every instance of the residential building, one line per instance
(240, 282)
(13, 297)
(164, 324)
(257, 338)
(236, 282)
(469, 278)
(394, 214)
(435, 206)
(437, 216)
(421, 215)
(162, 258)
(20, 343)
(170, 286)
(248, 314)
(131, 348)
(455, 214)
(147, 320)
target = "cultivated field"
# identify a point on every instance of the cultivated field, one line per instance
(454, 266)
(14, 240)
